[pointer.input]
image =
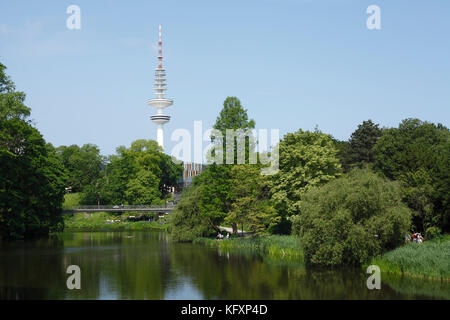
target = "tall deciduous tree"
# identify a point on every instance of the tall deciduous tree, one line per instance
(32, 177)
(213, 188)
(234, 117)
(84, 165)
(306, 159)
(250, 200)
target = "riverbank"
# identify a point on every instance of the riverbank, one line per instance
(428, 260)
(273, 246)
(102, 221)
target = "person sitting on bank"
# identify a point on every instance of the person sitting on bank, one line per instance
(419, 238)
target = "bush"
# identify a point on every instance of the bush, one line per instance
(71, 200)
(351, 219)
(186, 223)
(432, 232)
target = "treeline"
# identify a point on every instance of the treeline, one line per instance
(34, 175)
(140, 174)
(347, 200)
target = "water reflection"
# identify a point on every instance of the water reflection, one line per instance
(146, 265)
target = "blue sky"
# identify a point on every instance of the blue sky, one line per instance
(293, 64)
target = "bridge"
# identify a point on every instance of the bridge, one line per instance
(134, 208)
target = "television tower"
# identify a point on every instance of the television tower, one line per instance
(160, 102)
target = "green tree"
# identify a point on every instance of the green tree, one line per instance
(212, 189)
(417, 154)
(32, 183)
(11, 101)
(130, 176)
(214, 185)
(250, 200)
(186, 224)
(306, 159)
(351, 219)
(32, 177)
(143, 189)
(84, 165)
(360, 145)
(234, 117)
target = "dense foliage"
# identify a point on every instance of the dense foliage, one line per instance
(11, 101)
(141, 174)
(306, 159)
(83, 164)
(32, 177)
(220, 195)
(358, 151)
(418, 154)
(251, 203)
(186, 222)
(351, 219)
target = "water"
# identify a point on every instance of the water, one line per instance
(146, 265)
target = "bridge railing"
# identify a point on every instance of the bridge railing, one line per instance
(124, 207)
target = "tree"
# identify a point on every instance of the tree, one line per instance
(362, 141)
(32, 183)
(84, 165)
(417, 154)
(234, 117)
(32, 177)
(214, 185)
(11, 101)
(358, 151)
(351, 219)
(306, 159)
(143, 189)
(130, 176)
(250, 200)
(186, 224)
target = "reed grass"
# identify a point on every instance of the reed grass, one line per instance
(430, 259)
(273, 246)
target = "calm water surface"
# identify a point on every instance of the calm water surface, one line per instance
(146, 265)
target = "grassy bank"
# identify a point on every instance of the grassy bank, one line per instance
(274, 246)
(99, 222)
(71, 200)
(429, 260)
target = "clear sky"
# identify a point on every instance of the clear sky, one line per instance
(293, 64)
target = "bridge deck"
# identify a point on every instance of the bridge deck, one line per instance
(119, 209)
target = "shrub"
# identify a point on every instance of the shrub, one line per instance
(432, 232)
(186, 223)
(351, 219)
